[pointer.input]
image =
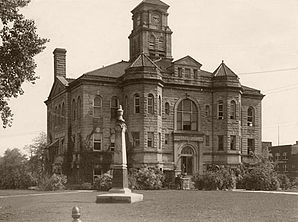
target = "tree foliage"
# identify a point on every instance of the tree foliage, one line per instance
(19, 43)
(14, 173)
(36, 162)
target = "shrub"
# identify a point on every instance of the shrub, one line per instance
(284, 181)
(261, 177)
(146, 179)
(103, 182)
(294, 183)
(215, 179)
(54, 182)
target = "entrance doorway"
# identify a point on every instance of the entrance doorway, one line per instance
(187, 157)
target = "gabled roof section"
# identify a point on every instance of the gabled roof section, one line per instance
(224, 71)
(143, 61)
(152, 2)
(114, 70)
(155, 2)
(60, 84)
(188, 61)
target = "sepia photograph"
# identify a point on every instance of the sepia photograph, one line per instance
(148, 110)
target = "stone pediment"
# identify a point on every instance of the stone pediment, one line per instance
(188, 61)
(58, 87)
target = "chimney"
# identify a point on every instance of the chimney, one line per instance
(59, 62)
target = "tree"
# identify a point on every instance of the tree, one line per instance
(19, 43)
(36, 163)
(13, 170)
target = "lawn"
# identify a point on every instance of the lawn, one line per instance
(165, 205)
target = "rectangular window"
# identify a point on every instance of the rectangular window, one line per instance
(220, 142)
(220, 110)
(195, 73)
(277, 155)
(284, 156)
(137, 104)
(180, 72)
(136, 139)
(233, 142)
(150, 140)
(159, 140)
(167, 138)
(250, 146)
(112, 145)
(96, 173)
(97, 141)
(207, 140)
(187, 73)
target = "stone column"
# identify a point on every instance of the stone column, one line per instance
(120, 175)
(120, 193)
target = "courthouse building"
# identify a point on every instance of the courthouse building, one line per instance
(179, 117)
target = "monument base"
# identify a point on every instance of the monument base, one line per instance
(119, 197)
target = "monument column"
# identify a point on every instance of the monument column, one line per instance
(120, 193)
(120, 175)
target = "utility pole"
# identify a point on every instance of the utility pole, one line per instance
(278, 134)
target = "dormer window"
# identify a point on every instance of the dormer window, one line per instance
(195, 73)
(180, 72)
(187, 73)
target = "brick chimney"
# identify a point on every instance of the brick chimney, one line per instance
(59, 62)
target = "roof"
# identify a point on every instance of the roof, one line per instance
(249, 90)
(143, 61)
(224, 70)
(114, 70)
(63, 80)
(188, 60)
(152, 2)
(155, 2)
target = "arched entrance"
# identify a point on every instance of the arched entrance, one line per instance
(187, 160)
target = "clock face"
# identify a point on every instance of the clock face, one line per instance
(155, 19)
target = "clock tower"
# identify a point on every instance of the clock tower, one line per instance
(151, 34)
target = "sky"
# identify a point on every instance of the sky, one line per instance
(257, 39)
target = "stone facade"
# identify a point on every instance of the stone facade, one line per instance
(179, 116)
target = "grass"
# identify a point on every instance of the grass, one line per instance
(165, 205)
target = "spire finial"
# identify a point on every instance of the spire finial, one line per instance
(222, 61)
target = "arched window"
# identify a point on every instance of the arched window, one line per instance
(187, 115)
(152, 42)
(59, 114)
(167, 108)
(233, 110)
(187, 160)
(97, 107)
(150, 104)
(126, 106)
(73, 110)
(187, 151)
(137, 103)
(114, 106)
(161, 45)
(56, 116)
(63, 113)
(220, 111)
(159, 105)
(79, 108)
(250, 116)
